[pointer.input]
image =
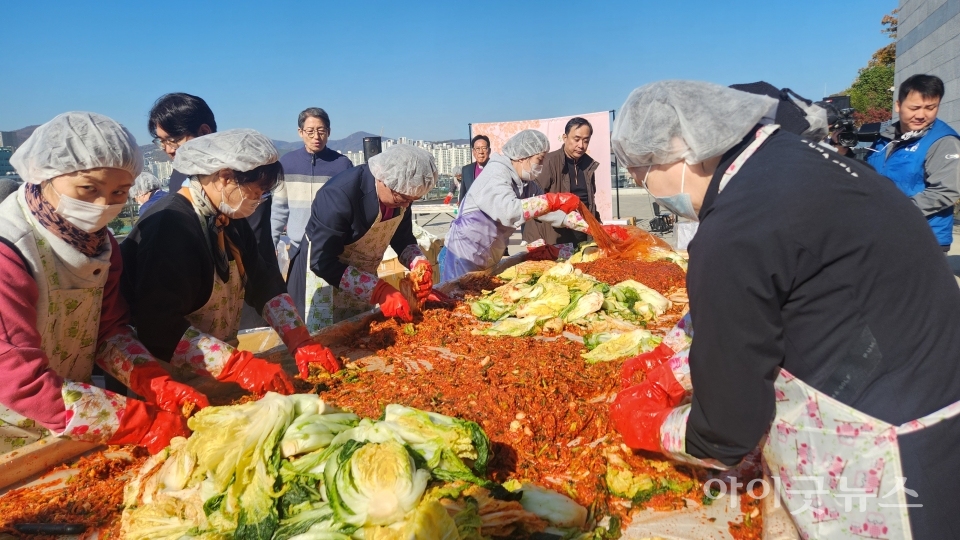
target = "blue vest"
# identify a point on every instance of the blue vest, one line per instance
(905, 167)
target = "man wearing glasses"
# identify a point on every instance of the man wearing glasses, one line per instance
(470, 172)
(305, 171)
(175, 119)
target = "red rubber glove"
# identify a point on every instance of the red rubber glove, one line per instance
(643, 362)
(315, 353)
(566, 202)
(153, 382)
(256, 375)
(145, 425)
(639, 411)
(425, 285)
(306, 351)
(392, 303)
(448, 198)
(545, 252)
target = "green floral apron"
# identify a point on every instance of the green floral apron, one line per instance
(69, 325)
(220, 316)
(325, 304)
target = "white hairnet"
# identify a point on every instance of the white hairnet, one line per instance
(239, 150)
(145, 183)
(76, 141)
(816, 116)
(528, 142)
(405, 169)
(666, 121)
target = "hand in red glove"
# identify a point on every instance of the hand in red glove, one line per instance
(255, 375)
(448, 198)
(566, 202)
(639, 411)
(315, 353)
(153, 382)
(425, 284)
(545, 252)
(643, 362)
(146, 425)
(392, 303)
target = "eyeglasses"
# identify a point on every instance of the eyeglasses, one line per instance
(310, 132)
(481, 148)
(163, 143)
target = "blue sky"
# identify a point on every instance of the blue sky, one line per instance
(416, 69)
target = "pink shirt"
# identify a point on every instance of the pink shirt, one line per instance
(30, 387)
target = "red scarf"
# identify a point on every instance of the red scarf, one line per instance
(90, 244)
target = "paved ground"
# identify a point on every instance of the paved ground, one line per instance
(634, 202)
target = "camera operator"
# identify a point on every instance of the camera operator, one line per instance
(922, 154)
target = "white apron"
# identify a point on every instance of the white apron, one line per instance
(325, 304)
(838, 469)
(69, 325)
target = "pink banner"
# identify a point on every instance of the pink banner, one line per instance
(599, 148)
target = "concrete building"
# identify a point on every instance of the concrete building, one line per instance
(9, 138)
(928, 41)
(355, 157)
(160, 169)
(5, 167)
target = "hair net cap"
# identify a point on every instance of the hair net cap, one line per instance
(528, 142)
(76, 141)
(239, 150)
(666, 121)
(405, 169)
(145, 183)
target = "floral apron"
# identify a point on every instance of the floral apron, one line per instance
(838, 469)
(325, 304)
(69, 325)
(220, 316)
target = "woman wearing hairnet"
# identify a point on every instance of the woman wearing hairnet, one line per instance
(146, 190)
(60, 304)
(357, 214)
(503, 198)
(191, 262)
(827, 323)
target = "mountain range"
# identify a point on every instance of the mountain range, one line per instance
(350, 143)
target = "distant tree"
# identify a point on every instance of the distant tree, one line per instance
(870, 92)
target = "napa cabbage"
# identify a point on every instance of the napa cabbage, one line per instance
(626, 344)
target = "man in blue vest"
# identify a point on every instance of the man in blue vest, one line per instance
(922, 154)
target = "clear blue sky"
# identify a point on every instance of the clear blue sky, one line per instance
(416, 69)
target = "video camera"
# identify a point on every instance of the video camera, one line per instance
(841, 120)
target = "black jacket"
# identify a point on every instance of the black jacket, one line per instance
(821, 266)
(555, 178)
(467, 176)
(342, 212)
(168, 271)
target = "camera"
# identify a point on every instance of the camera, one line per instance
(840, 119)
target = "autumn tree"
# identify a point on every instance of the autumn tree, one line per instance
(870, 92)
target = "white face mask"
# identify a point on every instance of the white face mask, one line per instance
(244, 209)
(89, 217)
(532, 173)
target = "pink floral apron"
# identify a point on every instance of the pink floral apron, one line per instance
(325, 304)
(838, 469)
